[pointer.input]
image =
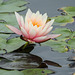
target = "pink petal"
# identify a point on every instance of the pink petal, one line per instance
(40, 39)
(22, 22)
(24, 32)
(45, 38)
(18, 17)
(32, 32)
(51, 36)
(48, 30)
(44, 18)
(14, 29)
(28, 14)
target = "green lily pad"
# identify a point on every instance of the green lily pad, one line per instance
(62, 20)
(11, 44)
(70, 10)
(37, 71)
(56, 45)
(6, 72)
(73, 35)
(6, 20)
(65, 33)
(19, 61)
(12, 6)
(71, 43)
(4, 36)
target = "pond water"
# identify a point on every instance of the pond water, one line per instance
(51, 6)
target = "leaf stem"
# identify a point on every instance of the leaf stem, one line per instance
(25, 45)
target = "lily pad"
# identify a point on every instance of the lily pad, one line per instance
(4, 36)
(6, 20)
(12, 6)
(19, 61)
(71, 43)
(57, 45)
(70, 10)
(37, 71)
(62, 20)
(6, 72)
(65, 33)
(11, 44)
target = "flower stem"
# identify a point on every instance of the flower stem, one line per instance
(25, 45)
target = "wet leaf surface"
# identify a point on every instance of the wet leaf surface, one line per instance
(52, 63)
(37, 71)
(19, 61)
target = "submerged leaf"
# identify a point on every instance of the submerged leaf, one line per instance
(19, 61)
(37, 71)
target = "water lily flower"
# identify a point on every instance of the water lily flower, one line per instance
(34, 28)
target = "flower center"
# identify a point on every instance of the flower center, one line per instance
(38, 24)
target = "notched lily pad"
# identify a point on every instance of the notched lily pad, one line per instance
(19, 61)
(37, 71)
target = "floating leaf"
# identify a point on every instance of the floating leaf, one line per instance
(70, 10)
(71, 43)
(52, 63)
(65, 33)
(62, 20)
(37, 71)
(11, 44)
(12, 6)
(4, 36)
(57, 45)
(6, 72)
(19, 61)
(7, 21)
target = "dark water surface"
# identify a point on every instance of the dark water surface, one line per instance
(51, 6)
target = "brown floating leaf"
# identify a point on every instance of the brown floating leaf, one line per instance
(52, 63)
